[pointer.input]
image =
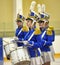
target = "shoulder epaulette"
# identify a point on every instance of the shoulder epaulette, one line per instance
(37, 31)
(25, 28)
(49, 31)
(51, 27)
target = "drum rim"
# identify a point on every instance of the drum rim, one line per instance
(9, 43)
(17, 48)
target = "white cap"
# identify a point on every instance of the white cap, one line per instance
(45, 20)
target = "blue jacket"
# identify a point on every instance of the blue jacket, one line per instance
(47, 39)
(22, 34)
(34, 41)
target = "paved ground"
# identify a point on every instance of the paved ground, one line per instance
(57, 62)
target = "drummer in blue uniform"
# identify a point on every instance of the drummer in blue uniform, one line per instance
(32, 40)
(47, 37)
(21, 30)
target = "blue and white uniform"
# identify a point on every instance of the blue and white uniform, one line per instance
(20, 33)
(47, 37)
(34, 45)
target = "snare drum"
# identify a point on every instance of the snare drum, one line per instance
(20, 56)
(9, 47)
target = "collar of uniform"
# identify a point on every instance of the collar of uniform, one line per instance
(42, 29)
(31, 29)
(19, 27)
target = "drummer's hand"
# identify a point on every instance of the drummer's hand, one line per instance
(16, 38)
(25, 42)
(13, 41)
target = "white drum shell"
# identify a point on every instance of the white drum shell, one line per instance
(9, 47)
(20, 55)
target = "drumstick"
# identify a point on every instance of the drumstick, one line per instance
(20, 41)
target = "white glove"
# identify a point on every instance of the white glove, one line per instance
(25, 42)
(16, 38)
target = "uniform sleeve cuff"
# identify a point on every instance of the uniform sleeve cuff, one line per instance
(31, 43)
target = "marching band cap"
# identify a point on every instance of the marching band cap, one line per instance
(20, 18)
